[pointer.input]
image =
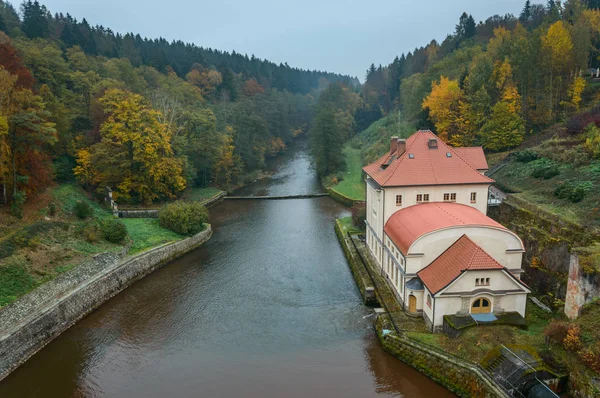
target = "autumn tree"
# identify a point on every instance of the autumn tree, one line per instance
(505, 128)
(228, 165)
(26, 136)
(443, 104)
(134, 155)
(558, 46)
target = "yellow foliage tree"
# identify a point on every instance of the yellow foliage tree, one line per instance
(444, 104)
(134, 155)
(228, 164)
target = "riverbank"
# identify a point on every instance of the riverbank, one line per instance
(36, 319)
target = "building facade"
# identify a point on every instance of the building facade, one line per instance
(427, 228)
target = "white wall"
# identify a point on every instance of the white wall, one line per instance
(515, 302)
(436, 194)
(498, 281)
(446, 306)
(494, 241)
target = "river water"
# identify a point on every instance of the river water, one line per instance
(266, 308)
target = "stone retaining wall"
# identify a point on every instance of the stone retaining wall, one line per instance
(138, 213)
(365, 286)
(548, 242)
(343, 199)
(33, 321)
(460, 377)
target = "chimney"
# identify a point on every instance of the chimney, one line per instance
(401, 147)
(393, 144)
(432, 143)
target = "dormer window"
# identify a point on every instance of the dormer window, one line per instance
(411, 155)
(432, 143)
(448, 154)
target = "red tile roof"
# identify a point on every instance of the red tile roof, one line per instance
(405, 226)
(463, 255)
(474, 156)
(427, 166)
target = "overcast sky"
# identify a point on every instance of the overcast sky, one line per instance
(333, 35)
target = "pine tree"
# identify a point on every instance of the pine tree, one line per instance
(466, 27)
(552, 10)
(525, 16)
(34, 23)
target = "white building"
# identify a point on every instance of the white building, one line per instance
(428, 230)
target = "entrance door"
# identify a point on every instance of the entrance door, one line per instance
(481, 306)
(412, 303)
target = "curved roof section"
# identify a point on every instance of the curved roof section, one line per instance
(407, 225)
(441, 165)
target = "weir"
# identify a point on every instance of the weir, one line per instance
(280, 197)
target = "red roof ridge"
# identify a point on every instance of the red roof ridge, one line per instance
(451, 267)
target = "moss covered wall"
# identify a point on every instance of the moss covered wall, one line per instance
(462, 378)
(358, 271)
(548, 241)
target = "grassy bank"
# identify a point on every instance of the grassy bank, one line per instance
(50, 239)
(352, 185)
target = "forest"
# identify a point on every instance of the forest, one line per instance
(146, 117)
(491, 83)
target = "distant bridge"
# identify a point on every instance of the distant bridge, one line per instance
(282, 197)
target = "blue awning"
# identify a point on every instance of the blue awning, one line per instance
(414, 284)
(484, 318)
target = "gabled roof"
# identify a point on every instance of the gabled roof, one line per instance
(474, 156)
(405, 226)
(422, 165)
(463, 255)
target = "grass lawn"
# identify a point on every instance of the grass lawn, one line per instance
(348, 226)
(353, 185)
(147, 233)
(41, 246)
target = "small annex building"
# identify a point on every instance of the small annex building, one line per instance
(428, 230)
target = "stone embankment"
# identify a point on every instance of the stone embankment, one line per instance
(33, 321)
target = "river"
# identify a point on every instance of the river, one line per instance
(266, 308)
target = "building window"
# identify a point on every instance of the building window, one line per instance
(429, 300)
(449, 197)
(398, 200)
(426, 197)
(419, 198)
(473, 197)
(482, 281)
(422, 198)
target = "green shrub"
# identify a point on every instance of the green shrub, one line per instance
(592, 139)
(92, 233)
(526, 156)
(183, 217)
(113, 230)
(14, 282)
(83, 210)
(574, 192)
(545, 171)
